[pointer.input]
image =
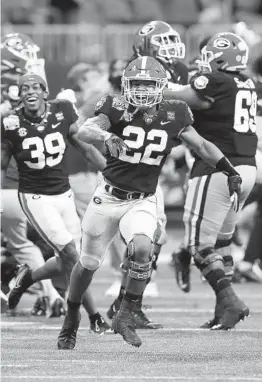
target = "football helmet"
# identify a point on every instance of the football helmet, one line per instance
(143, 82)
(224, 51)
(17, 50)
(159, 39)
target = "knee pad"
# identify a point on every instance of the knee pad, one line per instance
(90, 262)
(223, 248)
(207, 260)
(140, 261)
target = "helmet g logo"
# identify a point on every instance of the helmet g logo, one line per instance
(221, 43)
(146, 29)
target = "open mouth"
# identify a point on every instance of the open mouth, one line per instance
(31, 100)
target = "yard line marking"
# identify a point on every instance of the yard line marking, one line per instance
(54, 327)
(138, 378)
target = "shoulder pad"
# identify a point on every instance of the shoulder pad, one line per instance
(119, 103)
(103, 100)
(12, 122)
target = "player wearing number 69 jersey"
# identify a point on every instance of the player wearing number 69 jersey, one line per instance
(37, 135)
(139, 131)
(224, 106)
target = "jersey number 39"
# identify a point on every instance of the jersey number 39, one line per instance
(141, 135)
(53, 144)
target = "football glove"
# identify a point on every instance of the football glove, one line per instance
(115, 145)
(234, 186)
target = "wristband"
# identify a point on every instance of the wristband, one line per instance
(106, 135)
(226, 166)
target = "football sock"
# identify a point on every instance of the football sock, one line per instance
(94, 317)
(73, 305)
(131, 297)
(217, 280)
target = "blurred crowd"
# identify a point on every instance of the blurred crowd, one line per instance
(186, 12)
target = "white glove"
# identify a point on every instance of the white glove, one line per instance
(67, 94)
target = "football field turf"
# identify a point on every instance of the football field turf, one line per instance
(179, 352)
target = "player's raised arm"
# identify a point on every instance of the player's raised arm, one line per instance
(213, 156)
(90, 153)
(95, 130)
(187, 94)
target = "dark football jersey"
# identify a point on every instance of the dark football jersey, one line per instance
(178, 72)
(150, 141)
(230, 121)
(39, 145)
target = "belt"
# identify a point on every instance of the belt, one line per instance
(126, 195)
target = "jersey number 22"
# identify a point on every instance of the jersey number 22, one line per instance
(141, 135)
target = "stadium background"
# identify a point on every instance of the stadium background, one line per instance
(97, 31)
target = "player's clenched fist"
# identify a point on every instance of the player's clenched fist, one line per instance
(115, 145)
(234, 185)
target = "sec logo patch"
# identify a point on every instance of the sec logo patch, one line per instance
(201, 82)
(97, 200)
(22, 132)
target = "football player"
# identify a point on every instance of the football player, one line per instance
(18, 54)
(116, 69)
(139, 131)
(224, 102)
(37, 134)
(159, 40)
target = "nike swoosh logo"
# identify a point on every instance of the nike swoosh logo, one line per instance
(164, 123)
(55, 125)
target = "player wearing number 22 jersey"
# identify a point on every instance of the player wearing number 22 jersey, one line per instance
(37, 135)
(139, 130)
(224, 106)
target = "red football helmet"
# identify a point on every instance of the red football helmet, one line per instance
(160, 40)
(224, 51)
(143, 82)
(17, 50)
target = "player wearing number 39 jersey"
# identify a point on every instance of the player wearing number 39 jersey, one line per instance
(139, 130)
(37, 135)
(224, 106)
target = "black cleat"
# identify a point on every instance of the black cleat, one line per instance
(99, 325)
(214, 321)
(234, 310)
(67, 336)
(40, 307)
(22, 283)
(124, 325)
(181, 264)
(141, 321)
(57, 308)
(114, 308)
